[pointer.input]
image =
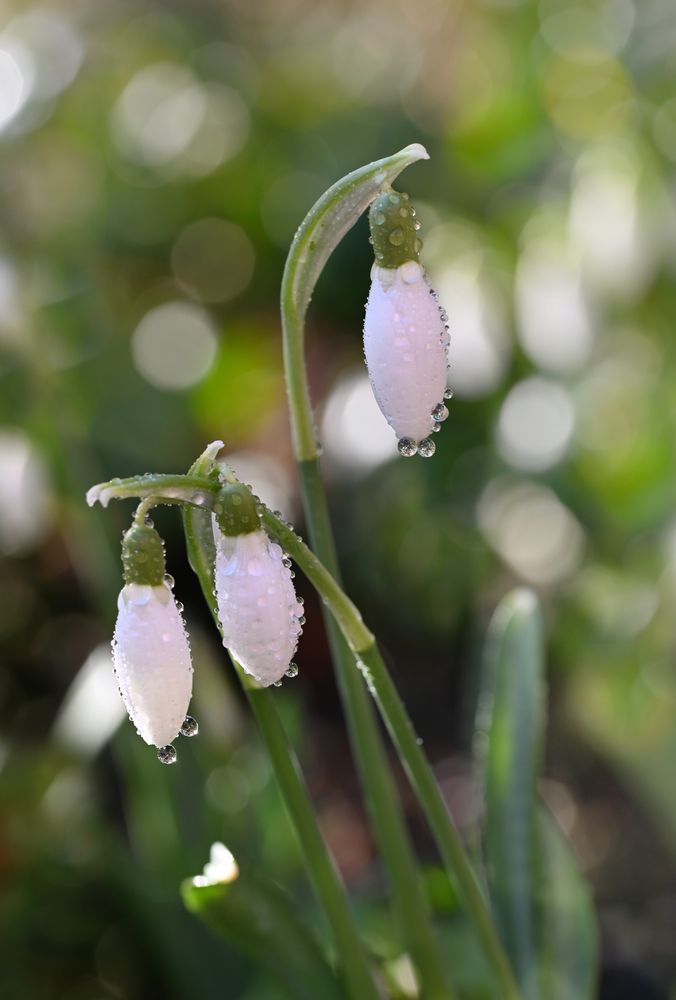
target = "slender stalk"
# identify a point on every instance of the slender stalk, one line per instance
(323, 875)
(367, 657)
(411, 907)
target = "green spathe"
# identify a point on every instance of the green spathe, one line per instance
(143, 556)
(394, 230)
(235, 510)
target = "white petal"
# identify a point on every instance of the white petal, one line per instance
(152, 661)
(405, 347)
(257, 604)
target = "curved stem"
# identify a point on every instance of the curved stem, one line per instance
(367, 657)
(323, 875)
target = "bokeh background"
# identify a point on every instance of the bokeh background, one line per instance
(155, 161)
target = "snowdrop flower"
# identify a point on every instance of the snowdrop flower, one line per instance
(151, 654)
(258, 610)
(405, 331)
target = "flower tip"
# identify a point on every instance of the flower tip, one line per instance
(417, 150)
(98, 494)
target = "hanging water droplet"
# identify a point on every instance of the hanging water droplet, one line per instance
(426, 448)
(379, 218)
(190, 726)
(292, 670)
(179, 607)
(407, 447)
(417, 225)
(396, 237)
(169, 581)
(149, 523)
(301, 619)
(440, 413)
(436, 428)
(277, 684)
(418, 247)
(300, 600)
(286, 562)
(167, 755)
(448, 394)
(403, 212)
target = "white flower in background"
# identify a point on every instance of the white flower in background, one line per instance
(259, 612)
(151, 653)
(220, 869)
(405, 331)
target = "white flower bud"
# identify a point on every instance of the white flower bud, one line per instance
(257, 605)
(151, 656)
(405, 344)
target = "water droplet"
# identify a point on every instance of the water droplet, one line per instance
(167, 755)
(190, 726)
(292, 670)
(418, 246)
(277, 684)
(286, 562)
(300, 600)
(301, 619)
(426, 448)
(179, 606)
(417, 226)
(407, 447)
(169, 581)
(396, 237)
(379, 218)
(403, 212)
(149, 523)
(440, 413)
(448, 394)
(436, 428)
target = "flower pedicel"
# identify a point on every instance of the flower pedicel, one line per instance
(405, 331)
(259, 612)
(151, 654)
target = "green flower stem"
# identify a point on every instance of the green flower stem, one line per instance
(363, 645)
(325, 879)
(411, 907)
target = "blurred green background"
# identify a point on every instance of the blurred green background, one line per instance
(155, 160)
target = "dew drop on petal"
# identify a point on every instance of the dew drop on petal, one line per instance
(440, 413)
(167, 755)
(277, 684)
(407, 447)
(291, 670)
(190, 726)
(448, 394)
(426, 448)
(169, 581)
(396, 237)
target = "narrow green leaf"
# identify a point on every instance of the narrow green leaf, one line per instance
(540, 901)
(258, 919)
(567, 932)
(515, 721)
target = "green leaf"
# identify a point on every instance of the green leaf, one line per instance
(567, 932)
(539, 899)
(258, 919)
(514, 690)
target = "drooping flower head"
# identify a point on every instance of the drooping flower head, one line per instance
(259, 612)
(151, 654)
(405, 331)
